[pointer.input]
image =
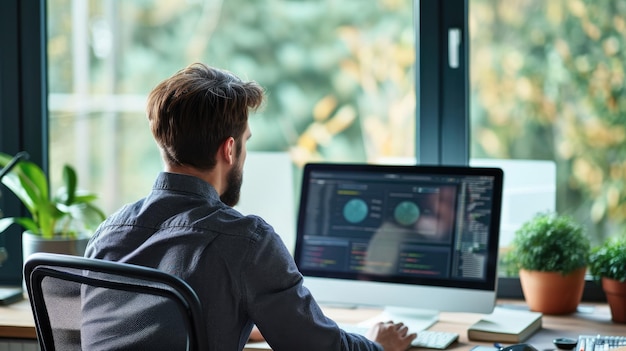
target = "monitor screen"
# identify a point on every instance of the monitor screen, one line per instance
(412, 237)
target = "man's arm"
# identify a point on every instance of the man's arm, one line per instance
(283, 309)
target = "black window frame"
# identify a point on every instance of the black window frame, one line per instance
(23, 107)
(441, 87)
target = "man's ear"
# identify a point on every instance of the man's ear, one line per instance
(227, 150)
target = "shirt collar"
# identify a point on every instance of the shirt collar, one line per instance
(185, 183)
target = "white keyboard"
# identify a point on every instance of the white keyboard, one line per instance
(430, 339)
(434, 339)
(600, 342)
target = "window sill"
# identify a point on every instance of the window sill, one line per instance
(510, 288)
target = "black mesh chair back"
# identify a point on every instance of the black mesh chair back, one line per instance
(89, 304)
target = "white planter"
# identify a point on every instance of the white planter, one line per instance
(70, 246)
(32, 243)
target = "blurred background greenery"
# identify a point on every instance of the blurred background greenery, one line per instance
(547, 80)
(546, 83)
(338, 76)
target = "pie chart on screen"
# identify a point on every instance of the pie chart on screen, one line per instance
(406, 213)
(355, 210)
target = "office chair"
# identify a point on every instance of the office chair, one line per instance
(85, 304)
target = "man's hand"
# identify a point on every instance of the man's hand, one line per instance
(392, 336)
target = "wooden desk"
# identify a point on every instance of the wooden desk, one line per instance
(590, 318)
(16, 322)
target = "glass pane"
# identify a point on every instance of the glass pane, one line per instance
(547, 83)
(339, 76)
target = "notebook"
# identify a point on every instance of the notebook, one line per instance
(505, 325)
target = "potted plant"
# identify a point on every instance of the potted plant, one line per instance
(551, 252)
(60, 222)
(607, 264)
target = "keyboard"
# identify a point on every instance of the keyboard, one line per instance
(429, 339)
(434, 339)
(599, 342)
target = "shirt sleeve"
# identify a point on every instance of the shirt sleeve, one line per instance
(283, 308)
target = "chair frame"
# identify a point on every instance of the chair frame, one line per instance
(40, 265)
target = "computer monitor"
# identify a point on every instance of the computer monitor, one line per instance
(415, 240)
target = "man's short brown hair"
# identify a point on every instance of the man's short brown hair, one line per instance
(193, 112)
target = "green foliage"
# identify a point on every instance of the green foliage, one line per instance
(507, 265)
(548, 83)
(550, 243)
(350, 61)
(609, 259)
(339, 75)
(66, 214)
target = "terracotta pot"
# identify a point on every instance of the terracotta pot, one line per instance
(551, 292)
(616, 296)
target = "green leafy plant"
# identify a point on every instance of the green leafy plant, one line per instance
(550, 243)
(67, 213)
(609, 259)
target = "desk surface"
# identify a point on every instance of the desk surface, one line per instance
(16, 321)
(590, 318)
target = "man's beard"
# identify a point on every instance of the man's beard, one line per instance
(234, 179)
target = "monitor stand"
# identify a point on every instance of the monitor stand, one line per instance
(415, 319)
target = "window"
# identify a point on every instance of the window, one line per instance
(339, 77)
(358, 71)
(342, 81)
(547, 82)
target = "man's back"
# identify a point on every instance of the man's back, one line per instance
(237, 265)
(182, 228)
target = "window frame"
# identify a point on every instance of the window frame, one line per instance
(443, 118)
(443, 121)
(23, 107)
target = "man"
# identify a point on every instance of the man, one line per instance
(186, 226)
